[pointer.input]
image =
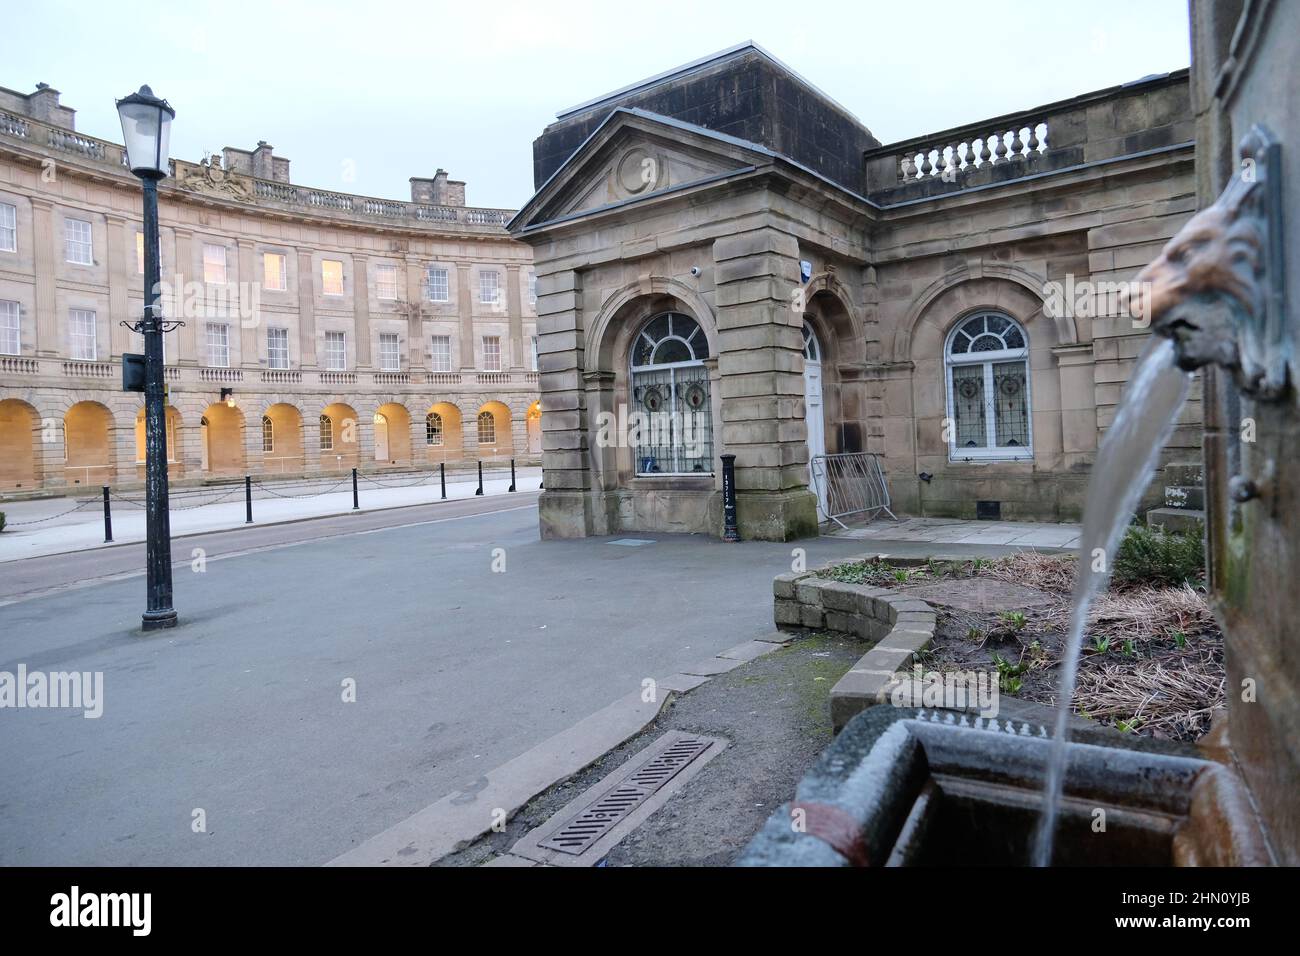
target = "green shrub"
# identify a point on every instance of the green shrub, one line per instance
(2, 520)
(1152, 556)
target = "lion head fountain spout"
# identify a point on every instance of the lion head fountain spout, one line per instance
(1217, 289)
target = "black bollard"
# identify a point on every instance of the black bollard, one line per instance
(729, 532)
(355, 504)
(480, 479)
(512, 475)
(442, 477)
(108, 519)
(248, 499)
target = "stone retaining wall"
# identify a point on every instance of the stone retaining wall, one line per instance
(897, 625)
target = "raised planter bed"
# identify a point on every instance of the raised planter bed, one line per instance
(896, 625)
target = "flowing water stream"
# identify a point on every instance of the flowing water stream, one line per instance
(1127, 456)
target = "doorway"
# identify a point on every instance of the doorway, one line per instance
(814, 414)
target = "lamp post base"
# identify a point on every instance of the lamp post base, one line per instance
(157, 620)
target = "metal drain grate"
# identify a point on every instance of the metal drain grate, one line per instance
(676, 752)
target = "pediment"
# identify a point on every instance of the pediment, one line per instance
(633, 157)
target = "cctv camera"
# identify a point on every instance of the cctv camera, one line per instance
(695, 271)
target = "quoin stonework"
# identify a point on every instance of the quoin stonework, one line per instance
(726, 239)
(323, 330)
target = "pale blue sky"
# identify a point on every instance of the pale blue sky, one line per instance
(393, 90)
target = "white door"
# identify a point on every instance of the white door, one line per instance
(381, 438)
(814, 415)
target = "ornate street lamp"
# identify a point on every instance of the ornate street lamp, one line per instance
(146, 130)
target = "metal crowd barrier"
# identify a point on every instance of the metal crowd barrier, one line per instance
(850, 484)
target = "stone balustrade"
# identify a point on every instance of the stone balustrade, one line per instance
(34, 133)
(1147, 115)
(199, 376)
(954, 158)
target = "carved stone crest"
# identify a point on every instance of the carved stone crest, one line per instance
(211, 177)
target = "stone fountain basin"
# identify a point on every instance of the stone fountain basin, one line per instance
(908, 787)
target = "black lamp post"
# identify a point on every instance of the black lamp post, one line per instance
(146, 129)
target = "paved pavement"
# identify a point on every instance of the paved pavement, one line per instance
(239, 713)
(60, 525)
(1021, 534)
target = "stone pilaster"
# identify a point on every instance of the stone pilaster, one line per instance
(121, 249)
(760, 365)
(190, 334)
(565, 506)
(465, 306)
(45, 259)
(516, 314)
(361, 309)
(307, 309)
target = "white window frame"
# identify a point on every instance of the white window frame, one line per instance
(8, 227)
(390, 352)
(492, 353)
(489, 287)
(325, 279)
(214, 267)
(386, 281)
(326, 433)
(696, 341)
(216, 337)
(436, 356)
(437, 284)
(268, 434)
(11, 327)
(433, 429)
(75, 245)
(277, 355)
(83, 338)
(992, 451)
(283, 285)
(333, 354)
(491, 420)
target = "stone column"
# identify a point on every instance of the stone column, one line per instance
(307, 309)
(465, 305)
(760, 361)
(44, 262)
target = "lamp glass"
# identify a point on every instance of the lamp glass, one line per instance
(146, 131)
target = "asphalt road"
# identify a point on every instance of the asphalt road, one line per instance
(240, 713)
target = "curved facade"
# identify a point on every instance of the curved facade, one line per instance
(300, 305)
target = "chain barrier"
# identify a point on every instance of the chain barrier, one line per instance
(84, 504)
(238, 489)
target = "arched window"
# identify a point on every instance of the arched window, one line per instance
(811, 350)
(326, 434)
(268, 434)
(487, 428)
(670, 394)
(987, 365)
(433, 428)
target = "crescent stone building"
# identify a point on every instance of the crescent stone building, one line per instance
(323, 331)
(725, 247)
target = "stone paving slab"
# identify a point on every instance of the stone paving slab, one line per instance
(959, 531)
(748, 650)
